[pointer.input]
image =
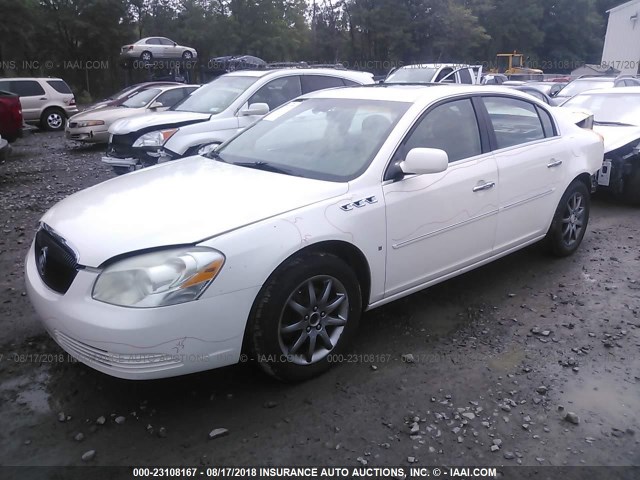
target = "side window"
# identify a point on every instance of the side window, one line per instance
(278, 91)
(59, 86)
(350, 83)
(5, 86)
(26, 88)
(443, 73)
(465, 76)
(169, 98)
(311, 83)
(547, 123)
(153, 41)
(166, 41)
(451, 127)
(514, 121)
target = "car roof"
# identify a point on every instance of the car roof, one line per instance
(422, 94)
(597, 79)
(436, 65)
(614, 91)
(31, 78)
(335, 72)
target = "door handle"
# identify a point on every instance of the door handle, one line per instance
(484, 186)
(43, 98)
(554, 163)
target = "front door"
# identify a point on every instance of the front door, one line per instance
(440, 223)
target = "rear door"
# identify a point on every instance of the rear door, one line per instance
(32, 98)
(532, 160)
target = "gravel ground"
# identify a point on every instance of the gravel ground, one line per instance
(529, 361)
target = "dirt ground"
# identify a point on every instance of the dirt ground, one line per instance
(481, 370)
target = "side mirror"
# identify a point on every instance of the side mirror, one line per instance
(260, 109)
(420, 161)
(155, 105)
(175, 44)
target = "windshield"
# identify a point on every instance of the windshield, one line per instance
(216, 96)
(609, 107)
(142, 98)
(416, 74)
(580, 86)
(324, 139)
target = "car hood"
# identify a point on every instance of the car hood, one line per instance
(157, 119)
(175, 203)
(617, 136)
(108, 114)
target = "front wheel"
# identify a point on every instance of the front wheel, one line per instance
(570, 220)
(187, 55)
(631, 189)
(304, 316)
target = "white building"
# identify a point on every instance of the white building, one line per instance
(622, 42)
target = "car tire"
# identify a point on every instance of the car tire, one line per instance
(570, 220)
(631, 186)
(187, 55)
(146, 56)
(53, 119)
(304, 316)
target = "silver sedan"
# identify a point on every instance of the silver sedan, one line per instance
(150, 48)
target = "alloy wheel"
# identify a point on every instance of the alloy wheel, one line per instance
(573, 219)
(313, 319)
(54, 121)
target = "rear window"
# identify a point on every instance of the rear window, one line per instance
(59, 86)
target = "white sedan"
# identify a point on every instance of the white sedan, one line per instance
(272, 246)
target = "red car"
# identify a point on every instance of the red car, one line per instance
(10, 116)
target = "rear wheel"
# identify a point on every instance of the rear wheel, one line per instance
(570, 220)
(306, 313)
(52, 119)
(146, 56)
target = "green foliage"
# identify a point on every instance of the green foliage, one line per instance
(372, 34)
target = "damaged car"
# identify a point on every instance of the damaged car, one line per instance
(272, 245)
(616, 116)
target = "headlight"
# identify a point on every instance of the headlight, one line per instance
(154, 139)
(89, 123)
(159, 279)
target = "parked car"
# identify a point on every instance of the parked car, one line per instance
(616, 116)
(338, 202)
(584, 84)
(215, 113)
(550, 89)
(435, 73)
(493, 79)
(92, 126)
(535, 92)
(126, 93)
(10, 116)
(5, 148)
(46, 102)
(157, 48)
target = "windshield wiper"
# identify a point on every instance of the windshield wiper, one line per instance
(260, 165)
(617, 124)
(215, 155)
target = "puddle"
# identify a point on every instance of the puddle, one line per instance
(605, 398)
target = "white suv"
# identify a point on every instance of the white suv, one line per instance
(214, 113)
(46, 102)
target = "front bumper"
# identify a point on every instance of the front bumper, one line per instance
(141, 343)
(98, 134)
